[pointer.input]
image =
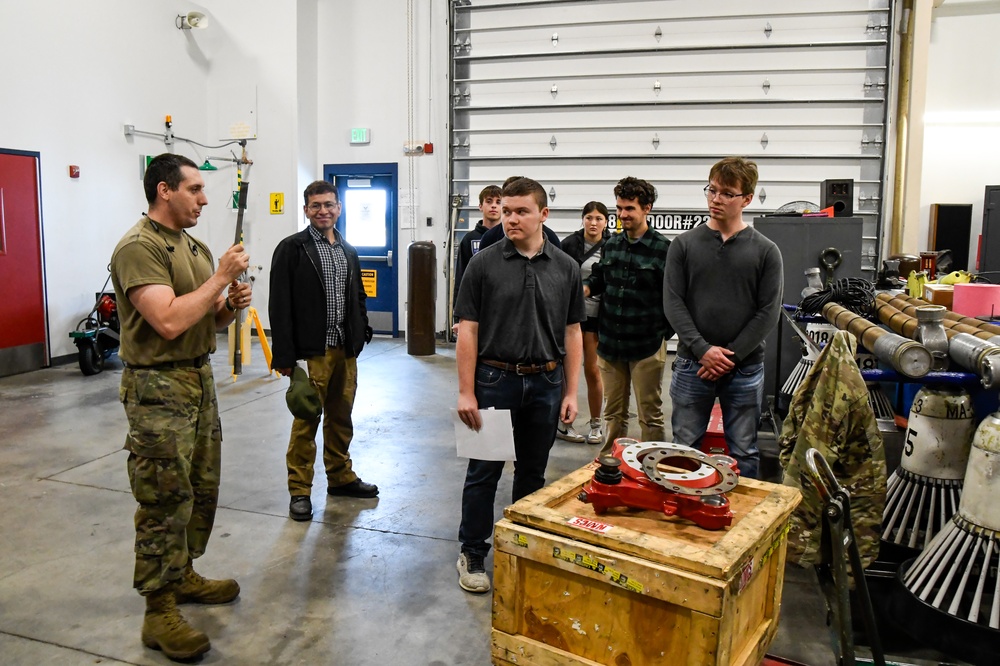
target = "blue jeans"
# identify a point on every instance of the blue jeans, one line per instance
(534, 401)
(739, 393)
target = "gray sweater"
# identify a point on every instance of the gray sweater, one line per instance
(722, 294)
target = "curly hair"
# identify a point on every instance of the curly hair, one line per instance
(635, 188)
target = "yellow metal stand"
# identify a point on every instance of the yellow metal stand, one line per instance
(252, 320)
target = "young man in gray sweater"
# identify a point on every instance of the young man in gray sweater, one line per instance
(722, 295)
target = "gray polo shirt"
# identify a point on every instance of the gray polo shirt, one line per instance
(522, 305)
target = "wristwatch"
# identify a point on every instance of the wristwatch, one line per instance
(229, 305)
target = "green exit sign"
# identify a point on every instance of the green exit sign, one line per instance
(361, 135)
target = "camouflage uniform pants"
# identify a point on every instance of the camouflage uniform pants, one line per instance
(175, 450)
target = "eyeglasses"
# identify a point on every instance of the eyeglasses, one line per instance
(325, 205)
(711, 192)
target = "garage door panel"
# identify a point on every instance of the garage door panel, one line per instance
(694, 115)
(580, 94)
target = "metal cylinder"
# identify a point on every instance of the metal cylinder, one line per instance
(931, 334)
(907, 357)
(980, 504)
(949, 315)
(939, 433)
(421, 297)
(968, 346)
(977, 355)
(924, 492)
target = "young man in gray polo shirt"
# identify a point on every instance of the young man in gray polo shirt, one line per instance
(519, 348)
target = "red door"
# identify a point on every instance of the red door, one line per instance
(22, 296)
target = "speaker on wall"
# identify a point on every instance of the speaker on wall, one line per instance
(951, 229)
(840, 195)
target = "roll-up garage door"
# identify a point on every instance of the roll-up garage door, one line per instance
(578, 94)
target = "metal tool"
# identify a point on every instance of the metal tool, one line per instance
(837, 548)
(241, 207)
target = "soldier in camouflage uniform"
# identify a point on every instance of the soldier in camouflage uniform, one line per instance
(830, 413)
(170, 302)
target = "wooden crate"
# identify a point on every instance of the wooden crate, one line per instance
(631, 588)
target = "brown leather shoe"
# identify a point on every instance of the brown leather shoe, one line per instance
(356, 488)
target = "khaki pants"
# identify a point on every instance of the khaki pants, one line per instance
(645, 377)
(335, 377)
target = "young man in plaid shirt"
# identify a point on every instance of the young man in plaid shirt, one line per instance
(632, 328)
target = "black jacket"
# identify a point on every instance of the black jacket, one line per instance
(573, 245)
(465, 252)
(297, 302)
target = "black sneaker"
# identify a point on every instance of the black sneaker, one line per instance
(300, 508)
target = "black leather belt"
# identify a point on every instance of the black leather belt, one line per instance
(196, 362)
(522, 368)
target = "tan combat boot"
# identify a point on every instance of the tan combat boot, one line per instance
(193, 588)
(164, 628)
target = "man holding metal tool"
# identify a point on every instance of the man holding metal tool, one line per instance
(170, 301)
(722, 294)
(317, 310)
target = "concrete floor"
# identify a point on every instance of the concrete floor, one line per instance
(366, 583)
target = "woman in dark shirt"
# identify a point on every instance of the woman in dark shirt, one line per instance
(584, 245)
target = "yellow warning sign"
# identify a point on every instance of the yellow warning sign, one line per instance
(369, 278)
(277, 203)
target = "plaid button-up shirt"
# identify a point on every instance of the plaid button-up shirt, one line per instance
(333, 263)
(631, 324)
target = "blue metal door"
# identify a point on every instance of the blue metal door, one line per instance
(368, 221)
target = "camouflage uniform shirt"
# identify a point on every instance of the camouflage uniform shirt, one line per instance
(830, 412)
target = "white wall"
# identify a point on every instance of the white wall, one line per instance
(73, 76)
(363, 83)
(962, 122)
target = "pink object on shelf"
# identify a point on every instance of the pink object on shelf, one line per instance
(977, 300)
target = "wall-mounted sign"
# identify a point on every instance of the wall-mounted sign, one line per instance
(665, 221)
(369, 280)
(361, 136)
(277, 203)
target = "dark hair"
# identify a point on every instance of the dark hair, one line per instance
(165, 168)
(522, 187)
(595, 205)
(319, 187)
(735, 172)
(634, 188)
(510, 180)
(487, 192)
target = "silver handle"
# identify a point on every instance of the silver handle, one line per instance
(377, 257)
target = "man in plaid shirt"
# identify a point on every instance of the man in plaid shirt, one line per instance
(318, 313)
(632, 328)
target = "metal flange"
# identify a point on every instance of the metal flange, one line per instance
(676, 481)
